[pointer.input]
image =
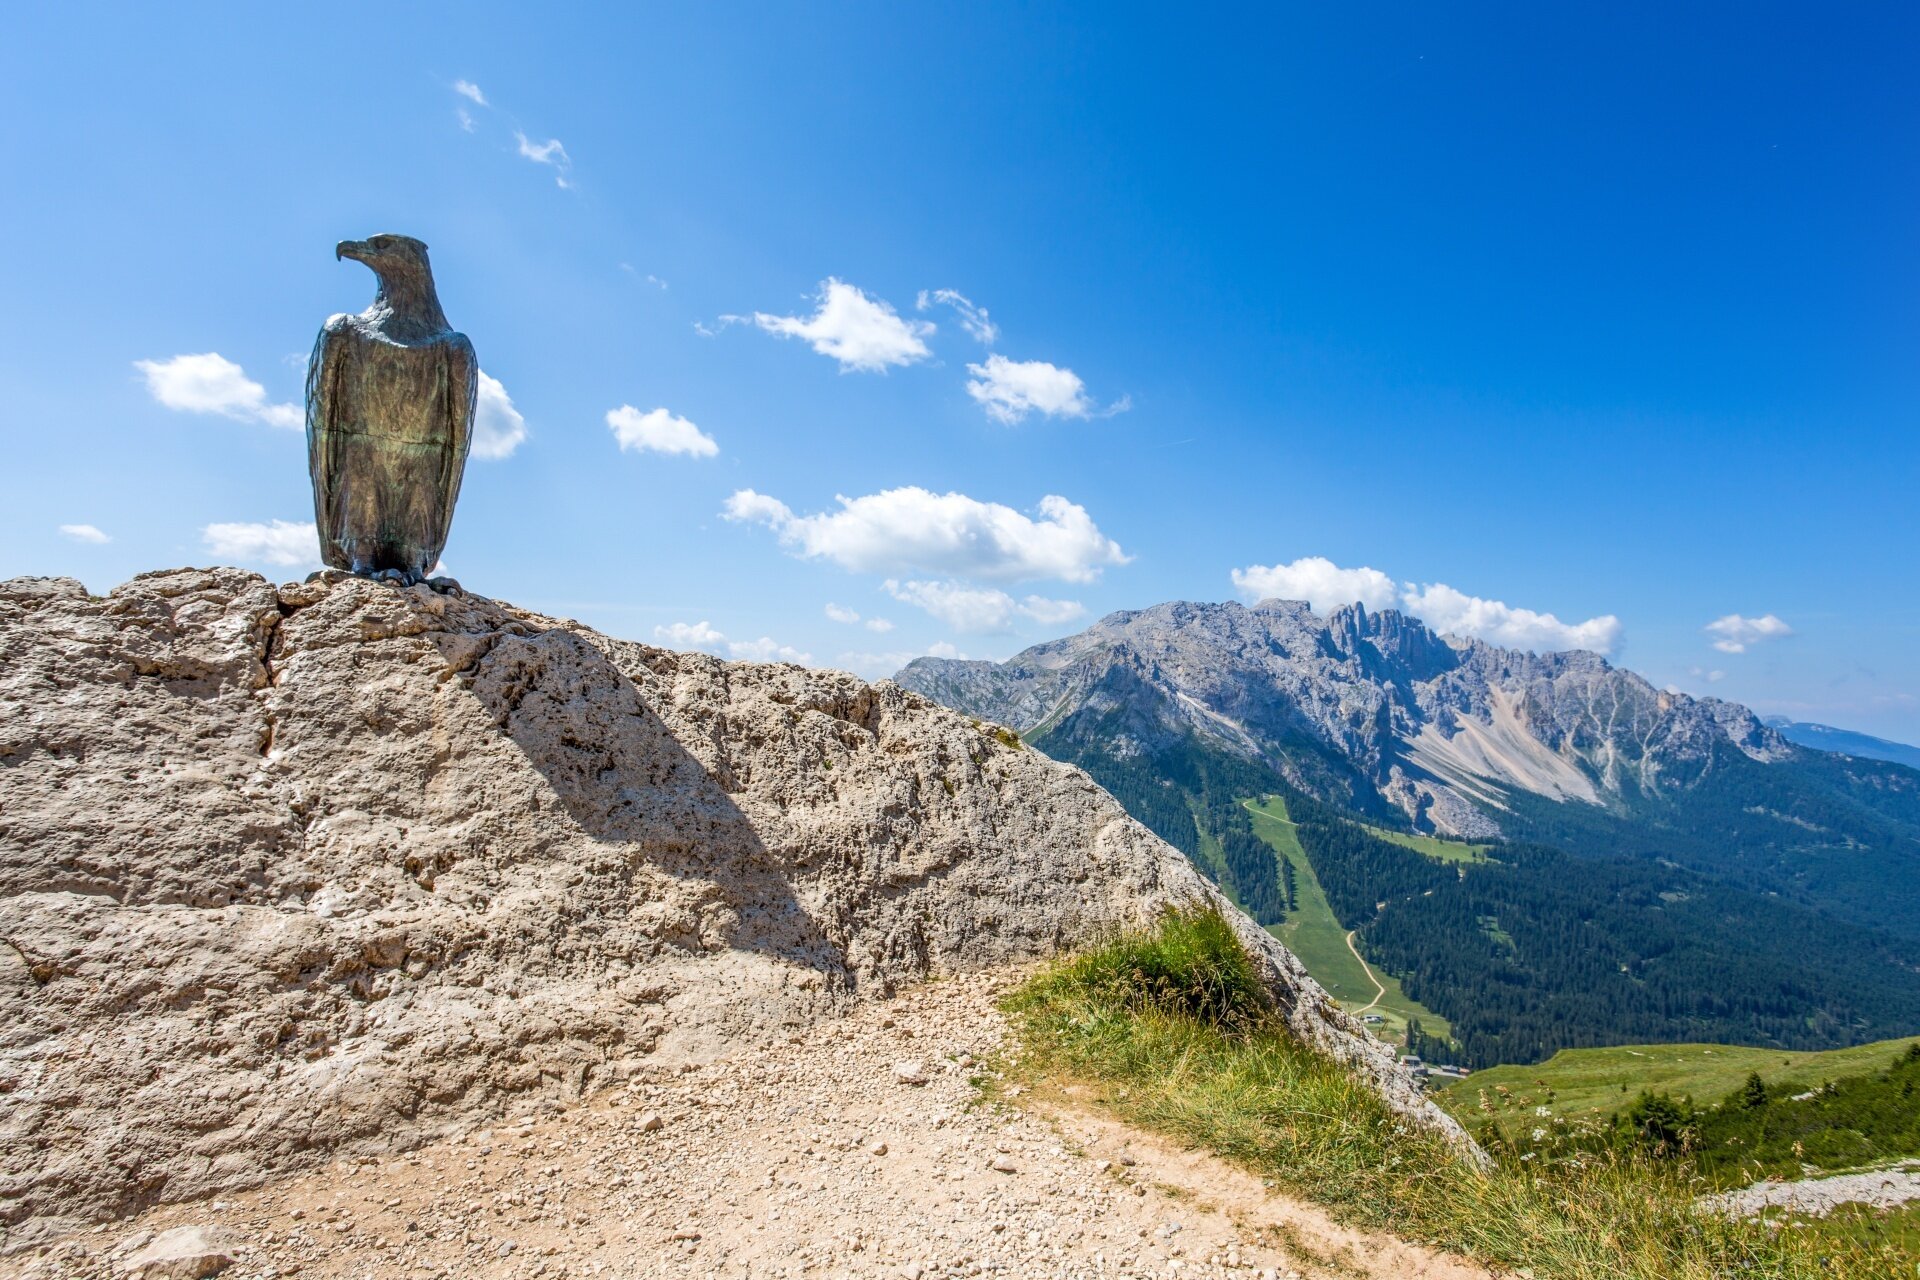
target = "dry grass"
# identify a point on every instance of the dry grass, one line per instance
(1171, 1031)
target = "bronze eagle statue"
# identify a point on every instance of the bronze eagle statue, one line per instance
(390, 401)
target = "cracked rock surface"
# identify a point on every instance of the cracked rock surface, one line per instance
(338, 868)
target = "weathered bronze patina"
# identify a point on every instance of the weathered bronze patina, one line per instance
(390, 398)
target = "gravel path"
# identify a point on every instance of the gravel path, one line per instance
(859, 1150)
(1881, 1188)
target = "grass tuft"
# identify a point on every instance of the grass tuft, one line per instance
(1190, 964)
(1172, 1030)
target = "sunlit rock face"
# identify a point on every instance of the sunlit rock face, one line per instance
(291, 872)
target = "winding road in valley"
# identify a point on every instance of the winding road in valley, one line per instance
(1379, 992)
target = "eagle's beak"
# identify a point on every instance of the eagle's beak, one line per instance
(355, 249)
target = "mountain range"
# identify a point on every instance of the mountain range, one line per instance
(1824, 737)
(1703, 837)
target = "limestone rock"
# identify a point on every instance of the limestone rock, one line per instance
(184, 1253)
(337, 867)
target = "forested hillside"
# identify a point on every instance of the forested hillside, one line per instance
(1534, 949)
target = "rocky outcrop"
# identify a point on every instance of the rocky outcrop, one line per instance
(288, 872)
(1359, 706)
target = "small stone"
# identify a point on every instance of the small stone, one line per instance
(652, 1123)
(876, 1148)
(910, 1072)
(129, 1243)
(1002, 1164)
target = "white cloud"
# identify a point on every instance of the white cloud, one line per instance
(1711, 677)
(1326, 586)
(862, 333)
(691, 635)
(950, 534)
(658, 431)
(1011, 389)
(973, 317)
(1051, 613)
(980, 610)
(85, 533)
(465, 119)
(1733, 633)
(498, 427)
(211, 383)
(767, 649)
(1319, 581)
(281, 542)
(874, 666)
(849, 617)
(975, 610)
(550, 153)
(1455, 613)
(468, 89)
(706, 638)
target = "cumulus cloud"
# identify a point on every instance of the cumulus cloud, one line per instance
(211, 383)
(706, 638)
(470, 91)
(767, 649)
(876, 665)
(851, 617)
(85, 533)
(1319, 581)
(1734, 633)
(947, 534)
(658, 431)
(1326, 586)
(549, 153)
(981, 610)
(864, 334)
(285, 543)
(498, 427)
(1011, 389)
(1456, 613)
(691, 635)
(973, 317)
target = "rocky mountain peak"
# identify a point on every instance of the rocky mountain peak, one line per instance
(1442, 728)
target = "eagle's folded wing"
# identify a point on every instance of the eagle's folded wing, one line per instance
(463, 378)
(323, 383)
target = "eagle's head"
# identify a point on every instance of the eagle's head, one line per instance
(390, 256)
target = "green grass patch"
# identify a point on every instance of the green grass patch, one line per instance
(1313, 933)
(1433, 846)
(1593, 1084)
(1211, 857)
(1170, 1030)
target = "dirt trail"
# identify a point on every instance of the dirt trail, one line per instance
(827, 1158)
(1379, 991)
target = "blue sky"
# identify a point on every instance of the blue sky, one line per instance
(1610, 314)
